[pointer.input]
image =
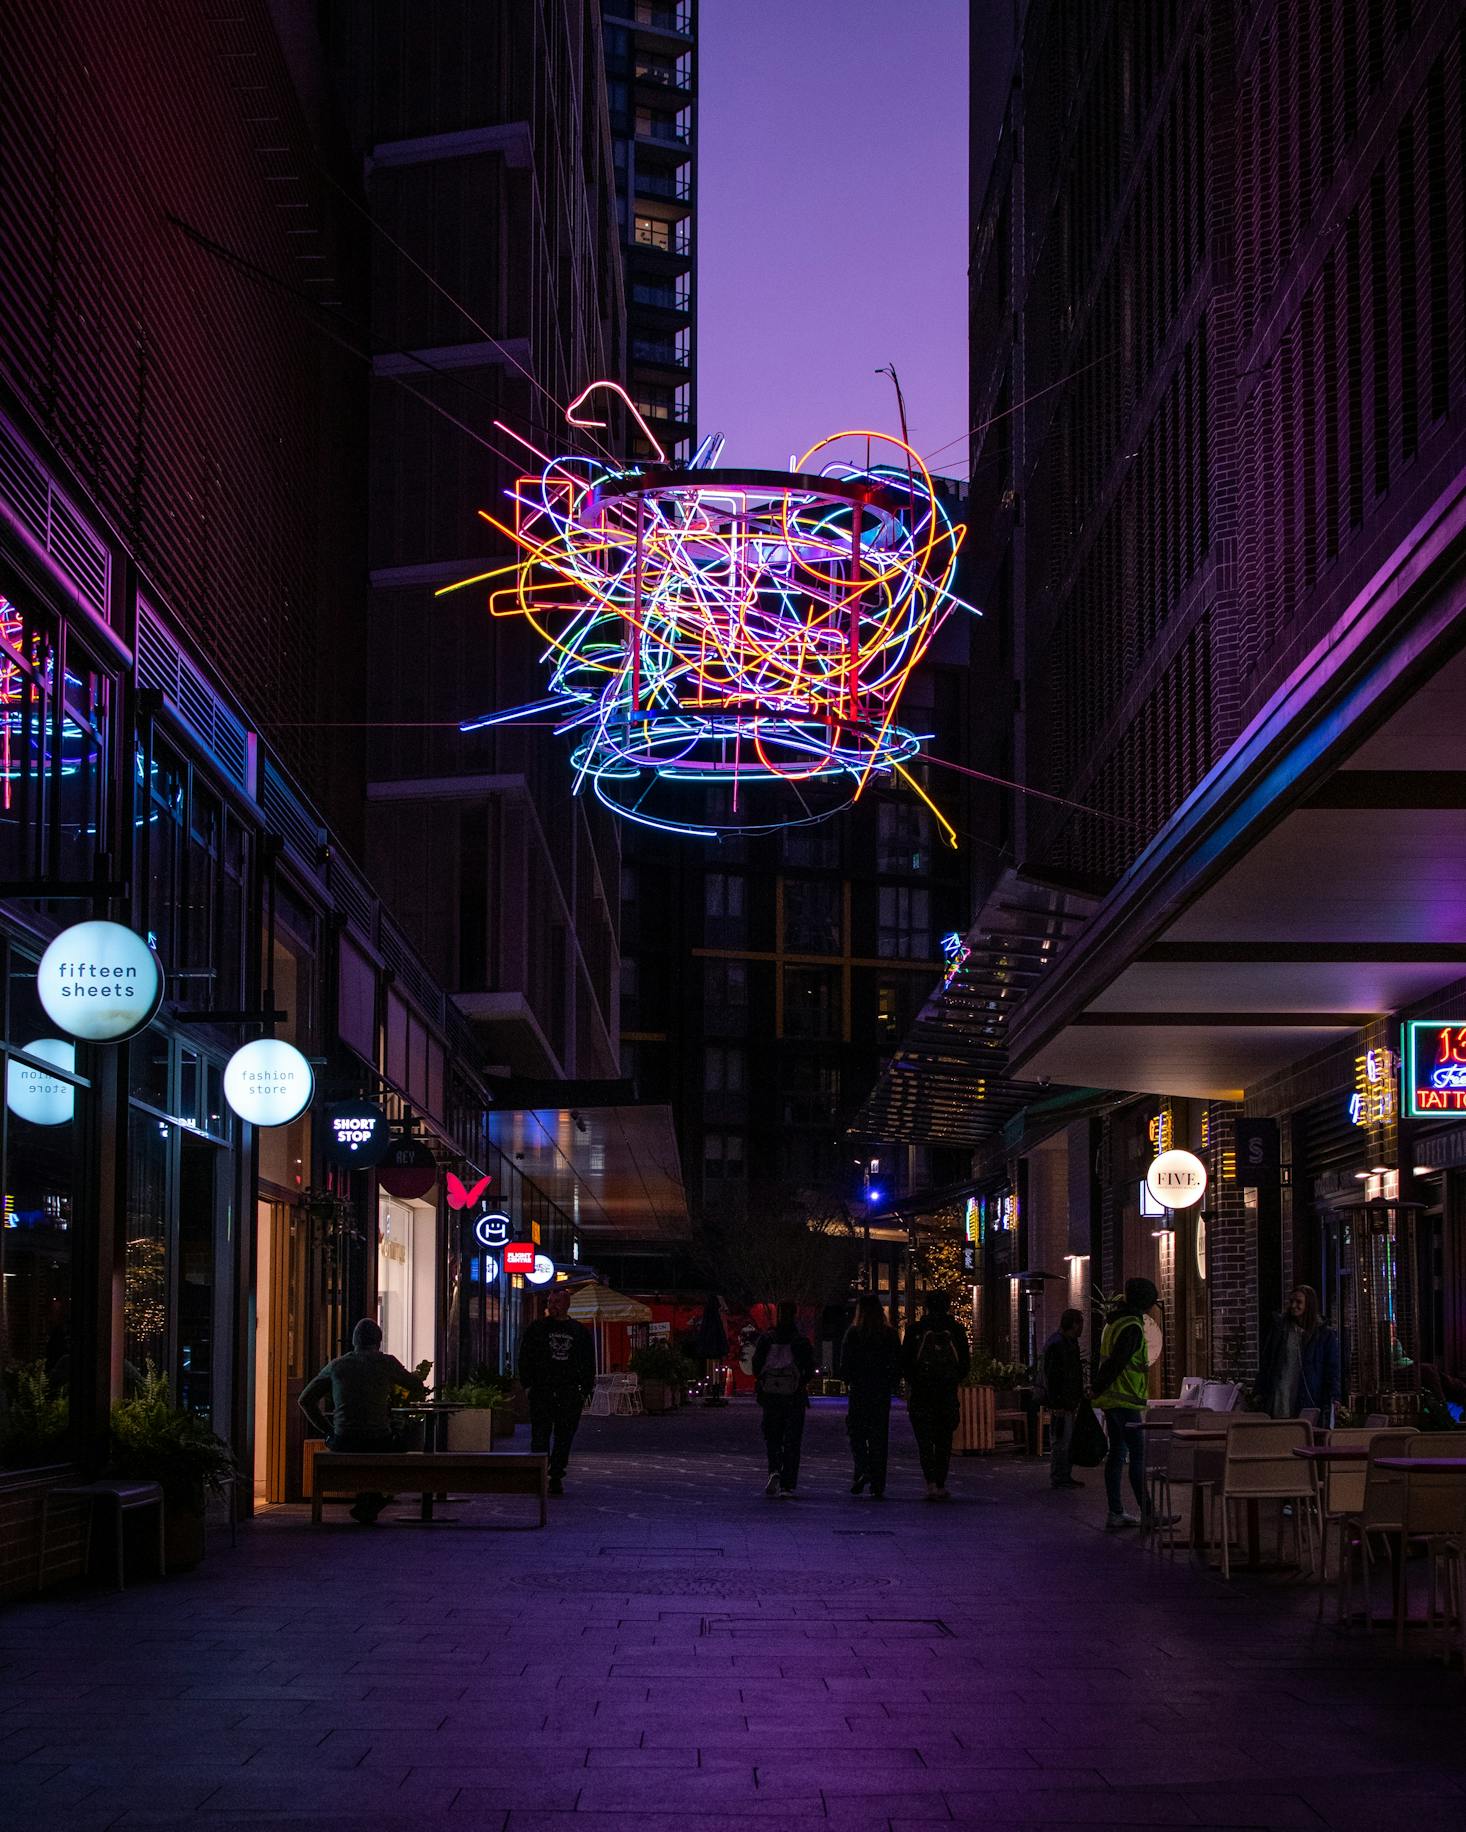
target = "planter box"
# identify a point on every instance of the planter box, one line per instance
(977, 1431)
(656, 1396)
(471, 1429)
(505, 1419)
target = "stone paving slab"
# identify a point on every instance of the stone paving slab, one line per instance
(679, 1654)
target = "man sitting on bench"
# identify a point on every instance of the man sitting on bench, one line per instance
(360, 1387)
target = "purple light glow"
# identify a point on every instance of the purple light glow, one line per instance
(832, 221)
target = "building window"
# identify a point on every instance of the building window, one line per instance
(816, 846)
(811, 1094)
(722, 1156)
(904, 931)
(652, 232)
(903, 837)
(812, 916)
(898, 999)
(722, 1068)
(811, 1002)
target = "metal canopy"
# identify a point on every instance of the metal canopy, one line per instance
(613, 1170)
(948, 1083)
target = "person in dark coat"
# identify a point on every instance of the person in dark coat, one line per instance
(557, 1364)
(783, 1366)
(935, 1358)
(1063, 1394)
(870, 1366)
(1300, 1369)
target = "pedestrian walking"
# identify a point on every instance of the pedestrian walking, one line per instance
(1300, 1369)
(870, 1366)
(557, 1364)
(935, 1358)
(350, 1404)
(1121, 1393)
(783, 1365)
(1063, 1394)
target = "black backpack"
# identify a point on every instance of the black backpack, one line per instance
(936, 1359)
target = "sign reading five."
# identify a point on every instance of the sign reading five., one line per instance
(100, 982)
(1435, 1068)
(268, 1082)
(1177, 1179)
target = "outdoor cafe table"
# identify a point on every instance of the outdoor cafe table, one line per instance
(1424, 1466)
(1332, 1453)
(434, 1416)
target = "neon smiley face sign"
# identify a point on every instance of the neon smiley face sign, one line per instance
(752, 631)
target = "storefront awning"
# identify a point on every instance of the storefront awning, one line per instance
(1314, 881)
(614, 1170)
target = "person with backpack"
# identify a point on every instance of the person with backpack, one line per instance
(783, 1366)
(1121, 1394)
(870, 1366)
(935, 1358)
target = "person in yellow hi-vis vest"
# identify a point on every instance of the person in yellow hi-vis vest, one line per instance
(1121, 1392)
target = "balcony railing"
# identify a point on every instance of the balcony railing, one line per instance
(670, 185)
(665, 75)
(664, 130)
(670, 298)
(665, 355)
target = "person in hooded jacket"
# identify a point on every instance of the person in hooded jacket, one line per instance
(1301, 1369)
(557, 1364)
(783, 1366)
(870, 1366)
(935, 1358)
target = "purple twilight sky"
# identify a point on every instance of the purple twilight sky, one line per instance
(832, 219)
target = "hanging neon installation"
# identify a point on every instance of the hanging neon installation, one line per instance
(748, 631)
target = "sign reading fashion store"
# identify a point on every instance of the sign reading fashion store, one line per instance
(31, 1094)
(1177, 1179)
(1435, 1068)
(100, 982)
(268, 1082)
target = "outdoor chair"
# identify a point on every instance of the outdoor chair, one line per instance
(1448, 1567)
(626, 1400)
(1433, 1506)
(1258, 1465)
(1338, 1492)
(600, 1399)
(1381, 1512)
(1160, 1422)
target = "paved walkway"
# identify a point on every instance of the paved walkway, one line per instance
(677, 1654)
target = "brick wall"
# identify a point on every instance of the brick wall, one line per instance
(1231, 1251)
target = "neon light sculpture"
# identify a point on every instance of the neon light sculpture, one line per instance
(745, 630)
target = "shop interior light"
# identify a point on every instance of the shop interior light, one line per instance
(1425, 1170)
(1362, 1176)
(1380, 1170)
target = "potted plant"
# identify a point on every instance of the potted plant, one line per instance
(155, 1441)
(33, 1417)
(977, 1401)
(661, 1371)
(487, 1413)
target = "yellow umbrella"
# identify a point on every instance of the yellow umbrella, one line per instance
(598, 1304)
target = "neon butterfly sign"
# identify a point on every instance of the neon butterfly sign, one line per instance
(460, 1196)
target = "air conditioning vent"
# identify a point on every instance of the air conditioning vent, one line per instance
(33, 502)
(162, 664)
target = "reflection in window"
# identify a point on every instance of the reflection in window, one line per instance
(811, 1002)
(904, 931)
(145, 1276)
(36, 1234)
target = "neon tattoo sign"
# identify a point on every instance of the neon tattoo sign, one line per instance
(1435, 1067)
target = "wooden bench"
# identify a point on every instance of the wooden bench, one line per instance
(341, 1475)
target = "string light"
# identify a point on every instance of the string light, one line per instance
(752, 630)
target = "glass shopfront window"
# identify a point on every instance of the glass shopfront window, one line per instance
(53, 746)
(45, 1103)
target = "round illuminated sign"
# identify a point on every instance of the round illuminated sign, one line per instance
(1200, 1248)
(492, 1230)
(268, 1083)
(31, 1094)
(491, 1268)
(357, 1132)
(409, 1169)
(544, 1270)
(1155, 1341)
(100, 982)
(1177, 1179)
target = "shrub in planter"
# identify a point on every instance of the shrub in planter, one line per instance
(33, 1417)
(487, 1412)
(661, 1371)
(155, 1441)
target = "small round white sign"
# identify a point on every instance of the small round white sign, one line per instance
(268, 1082)
(1177, 1179)
(544, 1270)
(491, 1269)
(31, 1094)
(100, 982)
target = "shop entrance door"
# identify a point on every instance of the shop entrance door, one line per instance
(279, 1350)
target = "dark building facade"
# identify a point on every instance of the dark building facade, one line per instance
(1217, 315)
(651, 77)
(188, 365)
(496, 294)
